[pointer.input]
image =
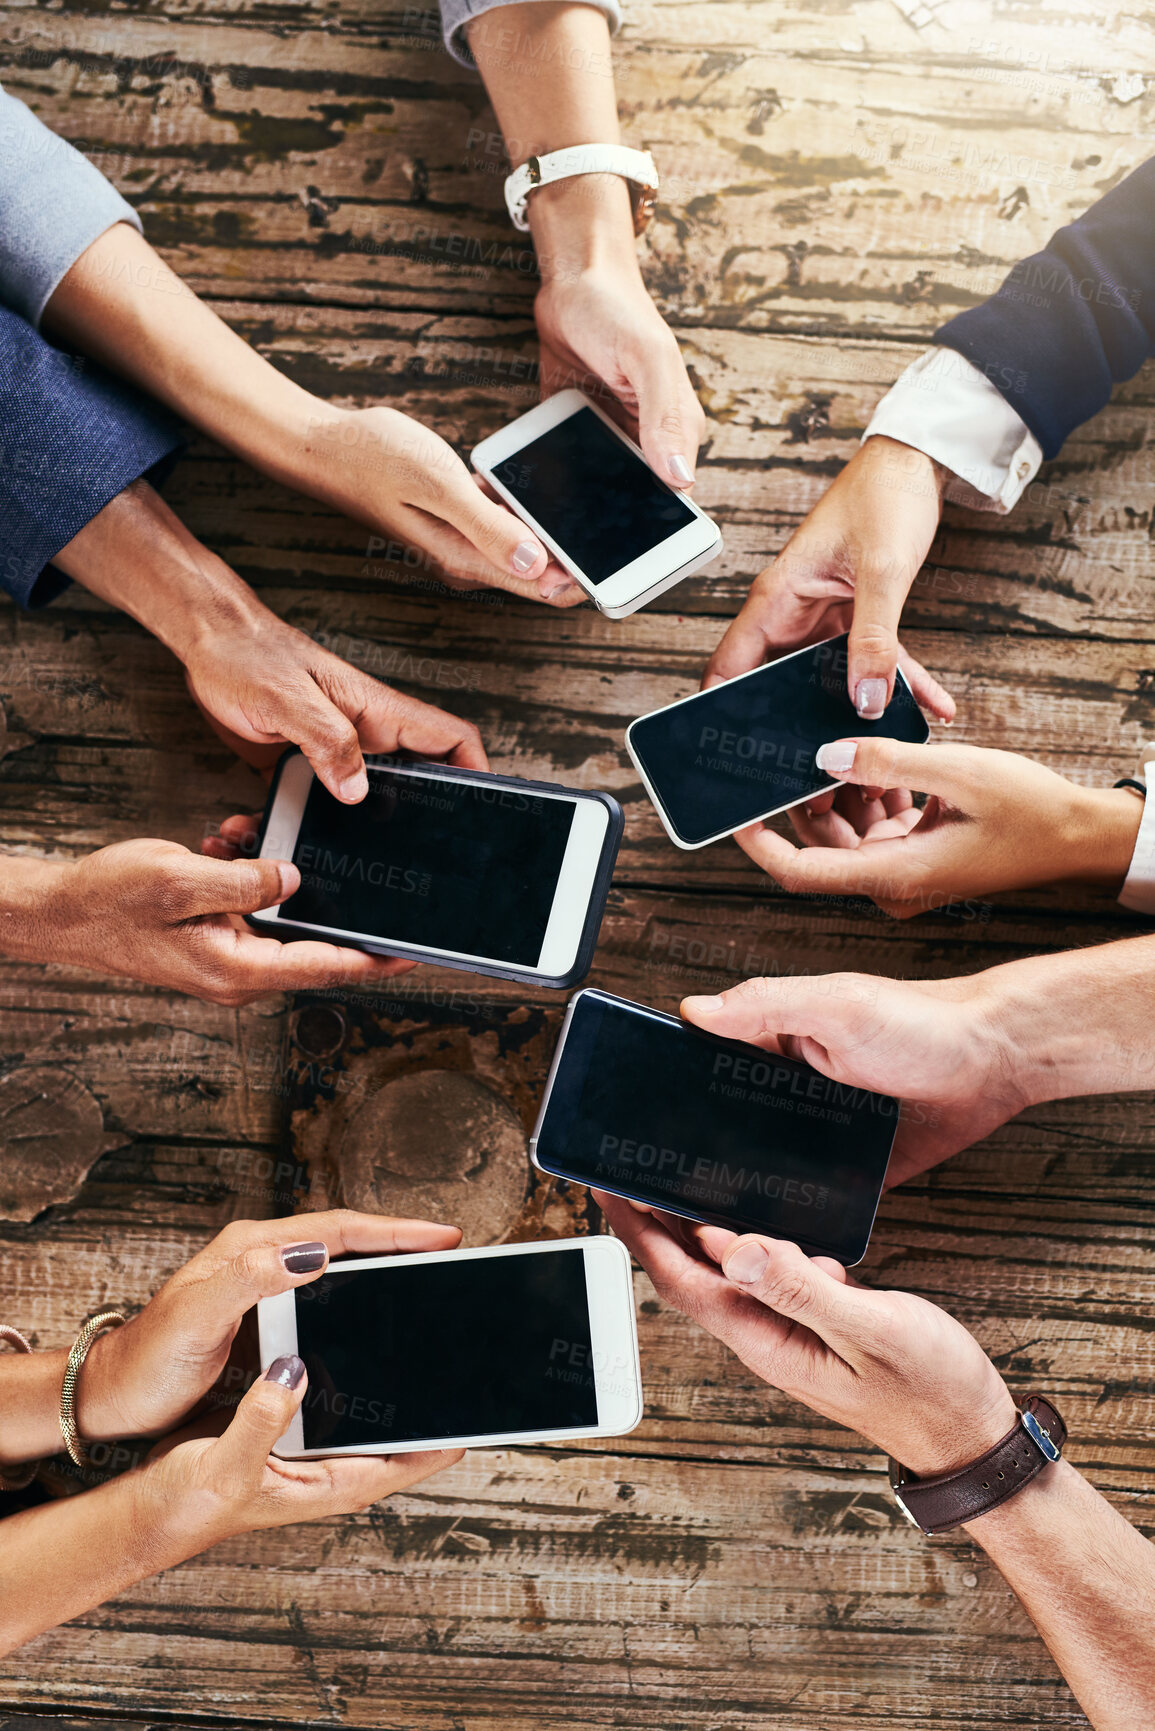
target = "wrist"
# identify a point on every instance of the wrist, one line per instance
(582, 224)
(1030, 1511)
(944, 1444)
(903, 467)
(31, 892)
(1105, 825)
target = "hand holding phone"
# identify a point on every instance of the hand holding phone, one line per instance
(486, 873)
(588, 493)
(653, 1109)
(461, 1349)
(744, 750)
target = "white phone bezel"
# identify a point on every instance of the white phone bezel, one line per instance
(644, 578)
(613, 1340)
(696, 697)
(575, 883)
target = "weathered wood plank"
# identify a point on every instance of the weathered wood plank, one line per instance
(821, 173)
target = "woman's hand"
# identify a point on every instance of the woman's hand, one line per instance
(193, 1494)
(992, 821)
(849, 567)
(889, 1365)
(948, 1050)
(402, 480)
(145, 1378)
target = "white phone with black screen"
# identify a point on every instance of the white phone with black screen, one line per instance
(587, 492)
(521, 1343)
(469, 870)
(744, 750)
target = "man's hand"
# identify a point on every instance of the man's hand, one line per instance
(153, 911)
(264, 685)
(941, 1047)
(889, 1365)
(992, 821)
(849, 567)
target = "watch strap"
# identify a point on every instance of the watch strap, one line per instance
(947, 1500)
(1138, 892)
(635, 166)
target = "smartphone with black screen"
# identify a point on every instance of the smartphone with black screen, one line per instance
(744, 750)
(482, 872)
(460, 1349)
(587, 492)
(651, 1108)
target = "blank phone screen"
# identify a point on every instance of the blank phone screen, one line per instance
(658, 1111)
(443, 865)
(465, 1347)
(591, 494)
(745, 749)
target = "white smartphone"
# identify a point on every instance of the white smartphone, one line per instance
(481, 872)
(518, 1343)
(746, 749)
(589, 495)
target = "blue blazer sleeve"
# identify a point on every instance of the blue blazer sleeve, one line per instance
(1072, 321)
(71, 438)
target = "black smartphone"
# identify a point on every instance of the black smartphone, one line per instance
(651, 1108)
(724, 758)
(476, 871)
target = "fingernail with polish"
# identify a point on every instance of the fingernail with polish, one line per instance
(303, 1258)
(870, 698)
(287, 1371)
(747, 1264)
(705, 1006)
(559, 589)
(525, 556)
(355, 787)
(681, 470)
(836, 757)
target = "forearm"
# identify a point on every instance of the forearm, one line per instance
(1082, 1022)
(548, 71)
(1087, 1580)
(30, 1389)
(61, 1559)
(139, 556)
(121, 305)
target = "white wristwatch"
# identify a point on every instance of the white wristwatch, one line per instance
(635, 166)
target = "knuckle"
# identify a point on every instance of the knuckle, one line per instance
(873, 638)
(785, 1288)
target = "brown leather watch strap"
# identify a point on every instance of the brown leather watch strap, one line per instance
(937, 1504)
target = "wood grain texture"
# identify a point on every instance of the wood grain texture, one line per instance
(836, 183)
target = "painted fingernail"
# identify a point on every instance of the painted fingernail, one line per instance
(524, 557)
(747, 1264)
(355, 787)
(303, 1258)
(287, 1371)
(559, 589)
(836, 757)
(870, 698)
(681, 470)
(705, 1006)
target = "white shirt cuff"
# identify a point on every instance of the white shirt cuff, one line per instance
(944, 406)
(1138, 892)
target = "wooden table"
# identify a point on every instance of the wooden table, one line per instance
(836, 182)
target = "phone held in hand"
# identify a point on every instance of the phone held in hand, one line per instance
(744, 750)
(589, 495)
(461, 1349)
(653, 1109)
(481, 872)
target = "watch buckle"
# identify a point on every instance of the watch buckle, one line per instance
(533, 170)
(1039, 1435)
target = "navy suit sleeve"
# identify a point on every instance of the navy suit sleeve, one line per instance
(1072, 321)
(71, 438)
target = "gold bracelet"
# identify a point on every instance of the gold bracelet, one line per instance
(21, 1482)
(94, 1326)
